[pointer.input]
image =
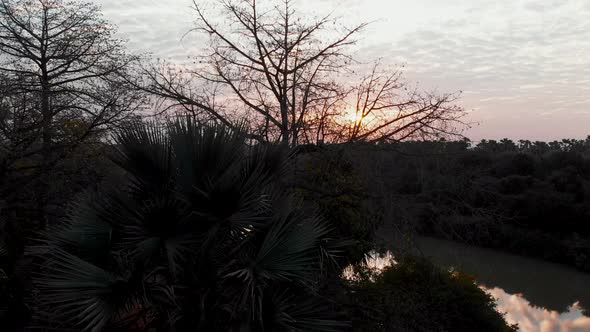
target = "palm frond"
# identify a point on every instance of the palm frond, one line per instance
(204, 152)
(302, 313)
(84, 231)
(288, 251)
(160, 226)
(73, 290)
(145, 153)
(202, 232)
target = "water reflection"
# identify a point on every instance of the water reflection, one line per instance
(532, 319)
(374, 261)
(536, 295)
(547, 285)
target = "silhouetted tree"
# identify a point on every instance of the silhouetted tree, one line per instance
(61, 67)
(387, 109)
(285, 74)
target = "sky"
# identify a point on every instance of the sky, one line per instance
(523, 65)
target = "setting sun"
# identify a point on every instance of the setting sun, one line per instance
(352, 116)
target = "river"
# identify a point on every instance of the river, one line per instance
(537, 295)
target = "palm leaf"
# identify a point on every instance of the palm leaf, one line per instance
(203, 153)
(145, 153)
(202, 228)
(290, 247)
(84, 231)
(301, 313)
(74, 290)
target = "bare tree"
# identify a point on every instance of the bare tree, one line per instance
(284, 73)
(65, 54)
(274, 62)
(62, 69)
(386, 108)
(276, 68)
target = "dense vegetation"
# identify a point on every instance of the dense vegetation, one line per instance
(529, 198)
(201, 238)
(415, 295)
(189, 227)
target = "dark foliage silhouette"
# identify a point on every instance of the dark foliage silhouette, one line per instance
(415, 295)
(200, 237)
(529, 198)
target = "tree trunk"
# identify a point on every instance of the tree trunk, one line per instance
(284, 121)
(43, 189)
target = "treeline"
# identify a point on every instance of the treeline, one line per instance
(525, 197)
(535, 147)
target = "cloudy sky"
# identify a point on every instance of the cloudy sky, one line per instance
(523, 65)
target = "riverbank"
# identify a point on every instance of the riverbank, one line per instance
(572, 250)
(533, 293)
(525, 199)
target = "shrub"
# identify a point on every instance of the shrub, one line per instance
(415, 295)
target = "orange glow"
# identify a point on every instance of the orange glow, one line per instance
(352, 117)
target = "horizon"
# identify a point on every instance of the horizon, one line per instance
(520, 64)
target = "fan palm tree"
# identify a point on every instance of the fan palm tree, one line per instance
(200, 236)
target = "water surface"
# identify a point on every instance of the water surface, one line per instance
(538, 295)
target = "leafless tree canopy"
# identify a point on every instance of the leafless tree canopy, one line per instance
(284, 74)
(61, 83)
(276, 63)
(386, 108)
(60, 67)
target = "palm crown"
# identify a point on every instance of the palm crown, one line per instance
(200, 236)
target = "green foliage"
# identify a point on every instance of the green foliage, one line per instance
(415, 295)
(529, 198)
(21, 216)
(200, 237)
(331, 183)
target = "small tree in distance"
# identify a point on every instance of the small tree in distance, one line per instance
(287, 75)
